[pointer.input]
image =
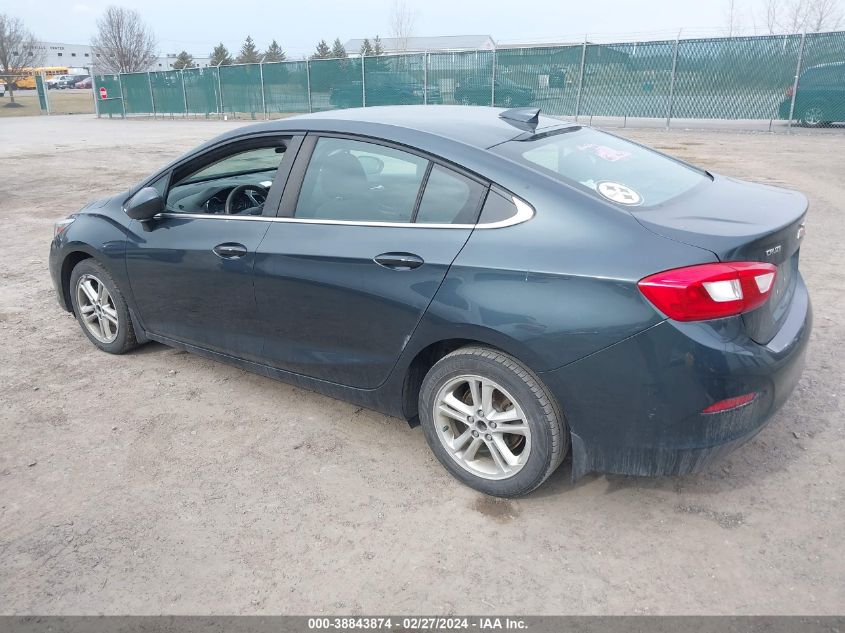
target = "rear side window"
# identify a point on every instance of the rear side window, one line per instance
(449, 198)
(353, 180)
(617, 170)
(497, 208)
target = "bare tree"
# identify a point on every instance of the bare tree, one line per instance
(402, 19)
(795, 16)
(823, 15)
(18, 54)
(799, 16)
(123, 44)
(732, 17)
(771, 15)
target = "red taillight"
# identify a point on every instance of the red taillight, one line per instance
(730, 403)
(710, 291)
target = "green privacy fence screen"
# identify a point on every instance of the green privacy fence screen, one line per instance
(718, 78)
(201, 90)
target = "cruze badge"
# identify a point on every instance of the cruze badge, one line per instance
(773, 250)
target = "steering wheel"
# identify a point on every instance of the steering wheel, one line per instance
(240, 189)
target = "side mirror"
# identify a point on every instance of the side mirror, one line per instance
(145, 204)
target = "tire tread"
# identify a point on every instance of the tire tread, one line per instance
(130, 341)
(551, 410)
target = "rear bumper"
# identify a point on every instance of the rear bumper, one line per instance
(635, 408)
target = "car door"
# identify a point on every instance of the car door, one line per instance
(365, 236)
(190, 268)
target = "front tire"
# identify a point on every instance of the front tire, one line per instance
(100, 308)
(491, 422)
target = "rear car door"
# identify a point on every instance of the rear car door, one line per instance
(190, 268)
(366, 234)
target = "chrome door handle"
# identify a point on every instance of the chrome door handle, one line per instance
(230, 250)
(399, 261)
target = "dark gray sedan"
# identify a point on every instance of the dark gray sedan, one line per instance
(519, 286)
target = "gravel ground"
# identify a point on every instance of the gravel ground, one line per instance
(160, 482)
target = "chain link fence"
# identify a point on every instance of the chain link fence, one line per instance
(790, 77)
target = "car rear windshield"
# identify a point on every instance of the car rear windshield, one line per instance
(613, 168)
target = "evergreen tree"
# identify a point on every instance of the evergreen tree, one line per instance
(274, 53)
(378, 49)
(184, 60)
(323, 51)
(220, 56)
(366, 48)
(338, 51)
(249, 53)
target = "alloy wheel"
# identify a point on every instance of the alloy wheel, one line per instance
(482, 427)
(813, 116)
(97, 308)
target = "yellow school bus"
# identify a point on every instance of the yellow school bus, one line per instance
(28, 80)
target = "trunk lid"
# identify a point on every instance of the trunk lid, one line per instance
(740, 221)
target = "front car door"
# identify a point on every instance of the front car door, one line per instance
(365, 236)
(190, 268)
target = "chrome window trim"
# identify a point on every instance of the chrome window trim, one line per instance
(524, 212)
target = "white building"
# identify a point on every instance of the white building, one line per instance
(426, 44)
(70, 55)
(81, 57)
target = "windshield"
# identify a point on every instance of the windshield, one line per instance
(616, 169)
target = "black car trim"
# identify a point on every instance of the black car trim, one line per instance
(287, 207)
(421, 191)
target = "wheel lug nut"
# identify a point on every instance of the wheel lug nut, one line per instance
(492, 425)
(481, 412)
(475, 433)
(488, 437)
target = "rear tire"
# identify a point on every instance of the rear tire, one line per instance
(100, 308)
(491, 422)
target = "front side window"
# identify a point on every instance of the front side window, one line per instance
(617, 170)
(235, 184)
(358, 181)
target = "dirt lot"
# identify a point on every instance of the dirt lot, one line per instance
(160, 482)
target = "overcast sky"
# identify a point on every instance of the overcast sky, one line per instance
(197, 26)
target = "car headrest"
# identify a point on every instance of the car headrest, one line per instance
(342, 176)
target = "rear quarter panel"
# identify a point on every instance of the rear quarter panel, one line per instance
(557, 287)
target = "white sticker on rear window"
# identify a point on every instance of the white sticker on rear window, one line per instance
(619, 193)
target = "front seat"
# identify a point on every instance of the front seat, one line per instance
(345, 189)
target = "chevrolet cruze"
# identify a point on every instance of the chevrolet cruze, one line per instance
(521, 287)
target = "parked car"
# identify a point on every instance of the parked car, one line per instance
(820, 98)
(384, 88)
(53, 82)
(2, 88)
(69, 81)
(478, 91)
(83, 83)
(518, 285)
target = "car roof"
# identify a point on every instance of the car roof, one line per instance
(477, 126)
(824, 66)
